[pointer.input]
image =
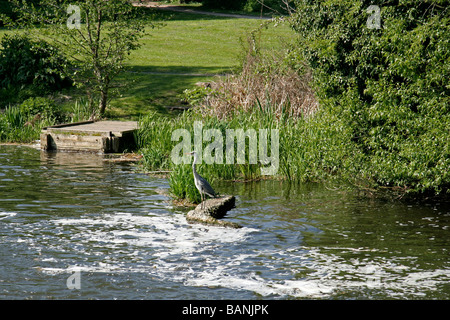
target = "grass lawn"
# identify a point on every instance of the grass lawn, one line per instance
(188, 48)
(185, 49)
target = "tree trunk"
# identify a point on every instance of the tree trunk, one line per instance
(103, 100)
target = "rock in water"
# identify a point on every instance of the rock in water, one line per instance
(214, 209)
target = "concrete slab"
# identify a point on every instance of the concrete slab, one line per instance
(100, 136)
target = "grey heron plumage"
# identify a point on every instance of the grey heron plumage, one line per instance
(201, 184)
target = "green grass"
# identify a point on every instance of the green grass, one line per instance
(208, 44)
(187, 49)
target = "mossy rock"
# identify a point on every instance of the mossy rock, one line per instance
(214, 209)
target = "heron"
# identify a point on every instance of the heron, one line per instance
(201, 184)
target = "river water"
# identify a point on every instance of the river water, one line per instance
(73, 226)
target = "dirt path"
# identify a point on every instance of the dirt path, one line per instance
(173, 7)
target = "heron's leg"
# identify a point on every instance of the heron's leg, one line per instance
(201, 196)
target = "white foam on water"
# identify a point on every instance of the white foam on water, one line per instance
(303, 288)
(6, 214)
(390, 275)
(217, 278)
(259, 285)
(167, 235)
(166, 247)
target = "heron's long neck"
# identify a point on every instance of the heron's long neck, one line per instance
(194, 163)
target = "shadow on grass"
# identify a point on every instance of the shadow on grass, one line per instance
(147, 89)
(202, 71)
(161, 15)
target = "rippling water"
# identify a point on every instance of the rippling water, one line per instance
(64, 215)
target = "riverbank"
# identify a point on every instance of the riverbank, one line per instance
(391, 149)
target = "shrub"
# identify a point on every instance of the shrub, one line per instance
(6, 10)
(386, 88)
(224, 4)
(7, 13)
(44, 107)
(268, 82)
(24, 62)
(271, 6)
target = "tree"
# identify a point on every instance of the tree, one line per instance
(96, 35)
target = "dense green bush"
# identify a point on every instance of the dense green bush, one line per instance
(271, 6)
(28, 63)
(248, 5)
(386, 89)
(224, 4)
(5, 9)
(44, 107)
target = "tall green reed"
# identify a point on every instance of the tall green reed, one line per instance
(82, 110)
(17, 125)
(154, 141)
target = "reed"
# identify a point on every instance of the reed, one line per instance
(82, 109)
(268, 93)
(267, 82)
(154, 141)
(182, 184)
(18, 125)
